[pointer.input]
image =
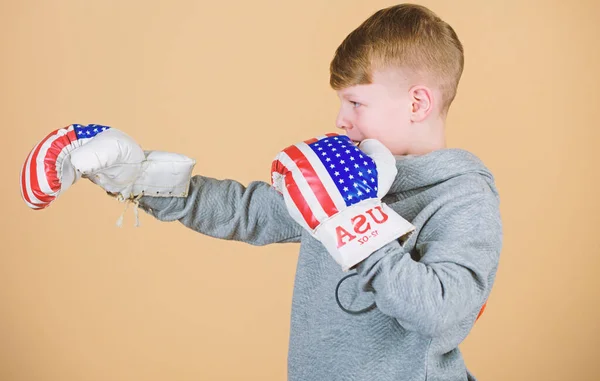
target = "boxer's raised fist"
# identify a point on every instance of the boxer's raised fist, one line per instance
(334, 190)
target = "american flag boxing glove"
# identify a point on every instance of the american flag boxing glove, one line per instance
(47, 172)
(334, 189)
(107, 157)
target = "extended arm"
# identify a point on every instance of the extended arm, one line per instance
(226, 209)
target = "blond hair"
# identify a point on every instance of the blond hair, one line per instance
(407, 37)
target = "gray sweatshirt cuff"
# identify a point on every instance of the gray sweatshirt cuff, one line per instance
(365, 266)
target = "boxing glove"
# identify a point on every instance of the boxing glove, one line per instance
(106, 156)
(333, 189)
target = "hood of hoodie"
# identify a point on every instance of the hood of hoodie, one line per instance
(418, 171)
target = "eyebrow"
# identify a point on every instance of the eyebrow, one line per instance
(350, 95)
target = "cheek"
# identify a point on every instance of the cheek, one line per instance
(379, 123)
(397, 114)
(364, 122)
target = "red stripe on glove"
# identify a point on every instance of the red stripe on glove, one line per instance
(313, 181)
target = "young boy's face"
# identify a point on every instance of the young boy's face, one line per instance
(380, 110)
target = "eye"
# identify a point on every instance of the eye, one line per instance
(354, 104)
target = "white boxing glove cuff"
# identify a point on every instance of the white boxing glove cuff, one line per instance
(355, 233)
(164, 174)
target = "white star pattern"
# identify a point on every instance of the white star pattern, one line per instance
(334, 151)
(89, 131)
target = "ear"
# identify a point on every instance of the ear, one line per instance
(421, 98)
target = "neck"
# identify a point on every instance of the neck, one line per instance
(429, 136)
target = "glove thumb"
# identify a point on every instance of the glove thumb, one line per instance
(107, 149)
(385, 162)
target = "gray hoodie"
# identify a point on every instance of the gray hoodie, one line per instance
(427, 293)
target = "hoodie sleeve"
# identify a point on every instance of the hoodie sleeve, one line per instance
(226, 209)
(459, 248)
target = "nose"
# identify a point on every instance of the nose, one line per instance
(342, 122)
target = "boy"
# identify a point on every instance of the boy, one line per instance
(396, 76)
(414, 298)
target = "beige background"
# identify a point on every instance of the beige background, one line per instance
(230, 83)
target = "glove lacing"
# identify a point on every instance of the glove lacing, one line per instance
(136, 203)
